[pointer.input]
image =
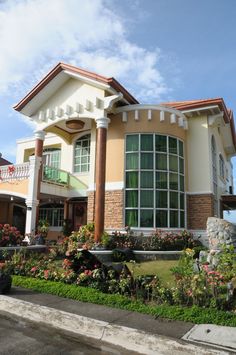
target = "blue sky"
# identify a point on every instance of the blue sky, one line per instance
(159, 49)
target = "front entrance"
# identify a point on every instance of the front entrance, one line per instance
(19, 216)
(79, 214)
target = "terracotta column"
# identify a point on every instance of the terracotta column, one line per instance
(100, 172)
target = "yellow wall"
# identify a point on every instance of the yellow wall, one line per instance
(116, 137)
(19, 186)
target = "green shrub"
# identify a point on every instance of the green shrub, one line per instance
(193, 314)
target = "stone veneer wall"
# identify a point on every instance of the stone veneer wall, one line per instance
(114, 204)
(199, 208)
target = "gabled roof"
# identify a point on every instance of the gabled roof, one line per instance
(194, 104)
(4, 161)
(205, 103)
(74, 70)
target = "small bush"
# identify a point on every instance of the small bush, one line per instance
(193, 314)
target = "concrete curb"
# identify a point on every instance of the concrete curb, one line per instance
(210, 334)
(128, 338)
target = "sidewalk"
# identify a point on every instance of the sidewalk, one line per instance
(130, 330)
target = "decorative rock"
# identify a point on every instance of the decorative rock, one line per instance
(220, 232)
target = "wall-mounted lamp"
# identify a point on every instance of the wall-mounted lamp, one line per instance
(12, 198)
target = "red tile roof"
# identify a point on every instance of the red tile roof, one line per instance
(62, 66)
(4, 161)
(195, 104)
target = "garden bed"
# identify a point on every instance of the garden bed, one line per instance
(140, 255)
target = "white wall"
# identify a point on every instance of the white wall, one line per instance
(199, 178)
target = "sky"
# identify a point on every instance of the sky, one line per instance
(160, 50)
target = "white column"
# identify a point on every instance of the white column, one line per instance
(32, 201)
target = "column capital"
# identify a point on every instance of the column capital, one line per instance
(102, 122)
(39, 135)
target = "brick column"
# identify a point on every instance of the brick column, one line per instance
(100, 166)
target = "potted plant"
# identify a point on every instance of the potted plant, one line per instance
(43, 228)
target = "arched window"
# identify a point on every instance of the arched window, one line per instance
(82, 154)
(214, 174)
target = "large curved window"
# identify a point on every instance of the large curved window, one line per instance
(154, 182)
(82, 154)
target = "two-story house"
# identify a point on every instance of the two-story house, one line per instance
(99, 155)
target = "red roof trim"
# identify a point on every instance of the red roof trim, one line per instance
(193, 104)
(62, 66)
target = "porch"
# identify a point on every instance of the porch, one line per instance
(61, 196)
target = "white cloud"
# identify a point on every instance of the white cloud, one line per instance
(36, 34)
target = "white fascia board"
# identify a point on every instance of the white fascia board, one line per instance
(200, 109)
(149, 107)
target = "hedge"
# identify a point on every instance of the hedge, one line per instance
(192, 314)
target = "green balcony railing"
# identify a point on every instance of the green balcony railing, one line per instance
(55, 176)
(62, 178)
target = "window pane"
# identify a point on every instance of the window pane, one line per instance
(146, 179)
(181, 165)
(181, 181)
(182, 224)
(174, 200)
(146, 218)
(131, 218)
(161, 219)
(161, 161)
(172, 145)
(161, 180)
(146, 161)
(182, 201)
(146, 198)
(147, 142)
(132, 198)
(173, 163)
(161, 199)
(132, 179)
(82, 154)
(132, 143)
(132, 161)
(174, 219)
(181, 149)
(161, 143)
(173, 181)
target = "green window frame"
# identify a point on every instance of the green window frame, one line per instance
(154, 181)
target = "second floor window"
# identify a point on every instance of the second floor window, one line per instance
(82, 154)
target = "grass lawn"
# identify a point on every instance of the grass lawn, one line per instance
(161, 268)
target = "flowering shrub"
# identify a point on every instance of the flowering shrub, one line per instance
(9, 236)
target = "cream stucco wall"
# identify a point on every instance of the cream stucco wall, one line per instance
(223, 184)
(199, 176)
(116, 137)
(26, 147)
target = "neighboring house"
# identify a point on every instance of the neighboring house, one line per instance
(4, 161)
(107, 158)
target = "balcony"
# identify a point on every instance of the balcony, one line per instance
(50, 175)
(10, 173)
(61, 178)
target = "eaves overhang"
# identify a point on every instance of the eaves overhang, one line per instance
(59, 74)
